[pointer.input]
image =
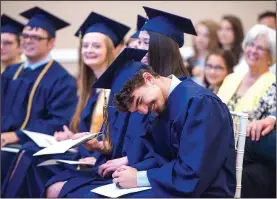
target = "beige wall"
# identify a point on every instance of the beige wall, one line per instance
(126, 12)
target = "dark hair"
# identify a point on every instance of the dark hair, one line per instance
(267, 14)
(124, 98)
(228, 59)
(238, 34)
(164, 55)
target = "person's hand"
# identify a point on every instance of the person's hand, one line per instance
(91, 145)
(8, 138)
(88, 160)
(259, 128)
(63, 135)
(110, 166)
(125, 177)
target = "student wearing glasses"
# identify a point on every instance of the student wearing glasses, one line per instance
(218, 65)
(10, 44)
(38, 95)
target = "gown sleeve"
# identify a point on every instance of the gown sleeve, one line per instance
(206, 142)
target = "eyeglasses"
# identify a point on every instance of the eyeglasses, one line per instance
(32, 37)
(217, 68)
(258, 48)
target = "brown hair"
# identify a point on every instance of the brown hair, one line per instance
(164, 56)
(238, 36)
(87, 78)
(213, 27)
(124, 98)
(228, 59)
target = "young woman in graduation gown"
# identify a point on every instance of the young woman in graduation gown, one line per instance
(99, 33)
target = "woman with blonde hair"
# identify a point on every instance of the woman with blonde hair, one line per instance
(205, 43)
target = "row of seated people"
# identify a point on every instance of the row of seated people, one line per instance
(171, 157)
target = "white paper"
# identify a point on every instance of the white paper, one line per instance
(76, 162)
(65, 145)
(110, 190)
(58, 161)
(42, 140)
(48, 162)
(8, 149)
(13, 148)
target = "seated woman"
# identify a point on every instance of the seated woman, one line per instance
(242, 91)
(218, 65)
(230, 35)
(255, 93)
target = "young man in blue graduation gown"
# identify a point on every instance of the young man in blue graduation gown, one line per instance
(39, 95)
(136, 123)
(10, 54)
(10, 45)
(192, 138)
(173, 27)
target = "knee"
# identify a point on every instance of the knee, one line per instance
(53, 190)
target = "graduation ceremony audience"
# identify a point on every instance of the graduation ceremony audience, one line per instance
(163, 117)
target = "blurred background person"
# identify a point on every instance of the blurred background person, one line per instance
(268, 18)
(205, 42)
(231, 35)
(218, 65)
(10, 44)
(134, 41)
(242, 91)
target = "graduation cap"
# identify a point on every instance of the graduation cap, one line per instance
(126, 64)
(140, 22)
(99, 23)
(40, 18)
(9, 25)
(168, 24)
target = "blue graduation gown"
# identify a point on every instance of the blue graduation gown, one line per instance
(53, 105)
(80, 183)
(54, 100)
(121, 136)
(194, 141)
